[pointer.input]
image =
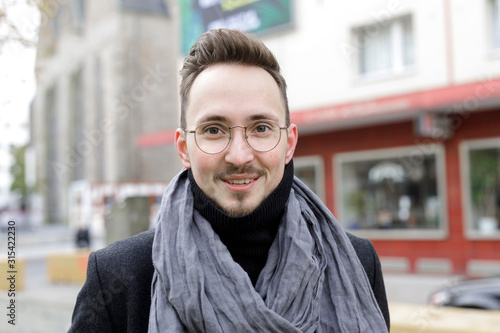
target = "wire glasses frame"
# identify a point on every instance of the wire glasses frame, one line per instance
(214, 137)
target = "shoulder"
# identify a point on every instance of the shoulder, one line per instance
(136, 248)
(128, 260)
(363, 246)
(366, 255)
(142, 242)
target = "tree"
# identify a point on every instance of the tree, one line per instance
(17, 22)
(17, 171)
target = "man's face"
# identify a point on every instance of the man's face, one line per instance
(239, 178)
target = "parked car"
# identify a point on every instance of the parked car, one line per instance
(473, 294)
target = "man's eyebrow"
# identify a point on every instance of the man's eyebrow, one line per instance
(223, 119)
(261, 116)
(213, 117)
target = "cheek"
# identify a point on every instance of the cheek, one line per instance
(275, 165)
(278, 157)
(203, 164)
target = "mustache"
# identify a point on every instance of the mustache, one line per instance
(235, 170)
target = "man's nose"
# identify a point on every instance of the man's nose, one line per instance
(239, 152)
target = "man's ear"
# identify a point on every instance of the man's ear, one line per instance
(292, 139)
(181, 147)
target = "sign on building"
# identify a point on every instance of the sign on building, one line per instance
(255, 16)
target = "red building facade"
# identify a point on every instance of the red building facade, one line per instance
(445, 129)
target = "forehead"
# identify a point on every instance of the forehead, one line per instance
(235, 94)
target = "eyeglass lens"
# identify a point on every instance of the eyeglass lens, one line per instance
(213, 137)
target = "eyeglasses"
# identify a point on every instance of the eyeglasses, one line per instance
(213, 137)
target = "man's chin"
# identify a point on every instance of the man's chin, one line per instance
(237, 211)
(236, 205)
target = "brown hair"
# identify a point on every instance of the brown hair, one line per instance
(228, 46)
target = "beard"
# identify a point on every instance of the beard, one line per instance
(239, 209)
(236, 210)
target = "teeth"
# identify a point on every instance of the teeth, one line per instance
(239, 181)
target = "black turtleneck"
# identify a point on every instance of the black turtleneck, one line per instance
(249, 237)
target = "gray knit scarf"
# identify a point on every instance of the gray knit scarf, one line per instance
(312, 281)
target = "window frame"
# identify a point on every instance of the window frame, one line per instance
(398, 68)
(78, 14)
(465, 146)
(494, 39)
(380, 154)
(315, 161)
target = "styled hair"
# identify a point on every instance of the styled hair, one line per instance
(228, 46)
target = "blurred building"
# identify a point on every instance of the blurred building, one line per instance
(106, 72)
(398, 109)
(397, 105)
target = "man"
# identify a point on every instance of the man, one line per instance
(240, 244)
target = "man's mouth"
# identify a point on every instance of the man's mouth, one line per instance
(240, 179)
(237, 182)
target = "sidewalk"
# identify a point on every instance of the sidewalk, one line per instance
(43, 309)
(415, 288)
(41, 306)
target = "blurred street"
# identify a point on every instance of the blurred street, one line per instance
(43, 306)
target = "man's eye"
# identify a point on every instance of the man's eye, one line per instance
(262, 128)
(213, 131)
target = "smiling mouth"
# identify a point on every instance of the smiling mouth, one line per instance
(238, 182)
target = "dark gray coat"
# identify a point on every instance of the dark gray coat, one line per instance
(116, 296)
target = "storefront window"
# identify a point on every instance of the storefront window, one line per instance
(481, 166)
(309, 169)
(394, 191)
